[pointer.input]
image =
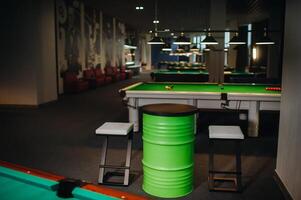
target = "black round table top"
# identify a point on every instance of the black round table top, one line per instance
(169, 109)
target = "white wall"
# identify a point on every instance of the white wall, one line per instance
(46, 76)
(289, 145)
(27, 67)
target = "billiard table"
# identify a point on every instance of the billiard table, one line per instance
(21, 183)
(203, 76)
(251, 97)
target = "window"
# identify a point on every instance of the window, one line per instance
(227, 39)
(226, 46)
(249, 43)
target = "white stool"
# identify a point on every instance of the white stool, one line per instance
(115, 129)
(232, 133)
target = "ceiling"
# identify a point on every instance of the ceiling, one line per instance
(185, 15)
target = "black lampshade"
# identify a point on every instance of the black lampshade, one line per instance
(182, 40)
(265, 41)
(156, 40)
(166, 47)
(209, 40)
(207, 48)
(194, 48)
(236, 40)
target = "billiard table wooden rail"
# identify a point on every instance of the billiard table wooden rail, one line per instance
(87, 186)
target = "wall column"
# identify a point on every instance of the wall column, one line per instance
(215, 62)
(289, 154)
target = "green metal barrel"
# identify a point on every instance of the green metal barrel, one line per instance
(168, 148)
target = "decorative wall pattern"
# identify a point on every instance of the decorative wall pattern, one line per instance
(119, 43)
(69, 35)
(92, 37)
(86, 38)
(108, 40)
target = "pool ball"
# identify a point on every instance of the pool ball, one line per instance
(169, 87)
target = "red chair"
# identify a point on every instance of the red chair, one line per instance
(73, 84)
(110, 71)
(122, 76)
(89, 76)
(99, 75)
(129, 73)
(122, 73)
(94, 80)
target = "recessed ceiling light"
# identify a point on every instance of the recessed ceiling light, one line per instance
(139, 7)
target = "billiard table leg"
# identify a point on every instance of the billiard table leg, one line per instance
(103, 159)
(133, 113)
(253, 116)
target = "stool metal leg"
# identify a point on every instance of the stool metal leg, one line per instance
(128, 159)
(211, 165)
(237, 179)
(238, 165)
(103, 159)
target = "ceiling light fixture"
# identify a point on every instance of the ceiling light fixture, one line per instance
(194, 48)
(156, 39)
(265, 40)
(207, 48)
(209, 39)
(236, 40)
(180, 48)
(166, 47)
(182, 40)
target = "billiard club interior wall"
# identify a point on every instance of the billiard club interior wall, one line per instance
(289, 153)
(43, 39)
(27, 69)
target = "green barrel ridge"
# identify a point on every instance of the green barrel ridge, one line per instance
(168, 148)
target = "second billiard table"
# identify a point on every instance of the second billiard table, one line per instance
(203, 76)
(251, 97)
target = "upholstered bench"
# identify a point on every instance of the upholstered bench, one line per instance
(227, 133)
(115, 129)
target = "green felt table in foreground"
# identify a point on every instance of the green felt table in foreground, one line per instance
(17, 185)
(214, 88)
(21, 183)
